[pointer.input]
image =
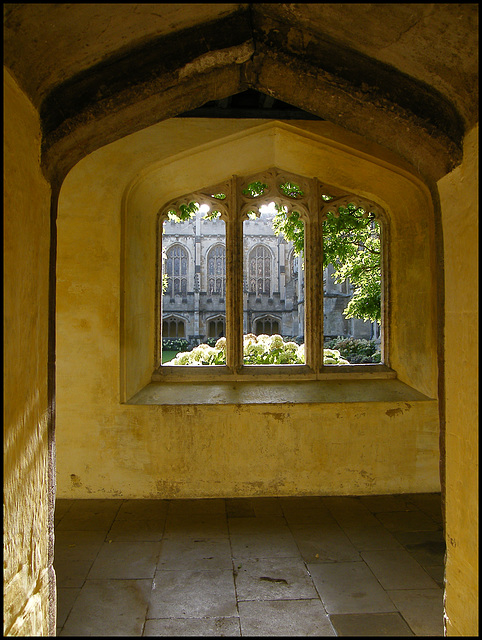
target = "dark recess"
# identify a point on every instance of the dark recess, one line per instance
(249, 104)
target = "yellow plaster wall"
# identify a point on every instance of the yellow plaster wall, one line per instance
(106, 257)
(459, 202)
(26, 261)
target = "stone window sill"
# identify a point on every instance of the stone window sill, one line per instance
(278, 392)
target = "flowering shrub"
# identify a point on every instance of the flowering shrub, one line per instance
(356, 350)
(262, 349)
(174, 344)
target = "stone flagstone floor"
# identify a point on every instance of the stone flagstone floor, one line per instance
(307, 566)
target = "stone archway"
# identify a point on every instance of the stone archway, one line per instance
(99, 124)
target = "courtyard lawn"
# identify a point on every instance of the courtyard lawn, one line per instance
(168, 355)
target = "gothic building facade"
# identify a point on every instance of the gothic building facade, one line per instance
(193, 303)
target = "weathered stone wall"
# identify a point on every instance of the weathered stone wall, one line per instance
(109, 448)
(420, 47)
(26, 282)
(459, 202)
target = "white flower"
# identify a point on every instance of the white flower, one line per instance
(275, 342)
(300, 353)
(291, 346)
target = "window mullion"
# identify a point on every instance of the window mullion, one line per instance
(313, 272)
(234, 282)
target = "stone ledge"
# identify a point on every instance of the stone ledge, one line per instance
(275, 393)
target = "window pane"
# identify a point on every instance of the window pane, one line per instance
(273, 297)
(193, 301)
(352, 282)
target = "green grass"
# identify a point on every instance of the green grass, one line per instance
(168, 355)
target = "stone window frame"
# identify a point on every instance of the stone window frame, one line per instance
(234, 210)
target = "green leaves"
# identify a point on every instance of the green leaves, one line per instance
(255, 189)
(291, 189)
(188, 211)
(212, 215)
(185, 212)
(291, 227)
(351, 243)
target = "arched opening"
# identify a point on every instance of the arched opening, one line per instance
(59, 154)
(267, 325)
(138, 294)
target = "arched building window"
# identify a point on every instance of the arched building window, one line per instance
(173, 327)
(260, 270)
(216, 270)
(267, 325)
(217, 327)
(176, 269)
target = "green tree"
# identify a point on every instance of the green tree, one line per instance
(351, 243)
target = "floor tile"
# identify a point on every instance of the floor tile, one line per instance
(284, 618)
(193, 594)
(327, 544)
(180, 570)
(350, 512)
(239, 508)
(259, 545)
(135, 529)
(427, 547)
(429, 503)
(422, 609)
(75, 553)
(261, 524)
(89, 515)
(143, 510)
(407, 521)
(378, 504)
(95, 506)
(199, 507)
(109, 608)
(305, 511)
(126, 560)
(397, 570)
(369, 538)
(267, 506)
(272, 579)
(176, 627)
(301, 502)
(66, 597)
(349, 587)
(437, 573)
(371, 624)
(302, 517)
(61, 508)
(198, 554)
(211, 526)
